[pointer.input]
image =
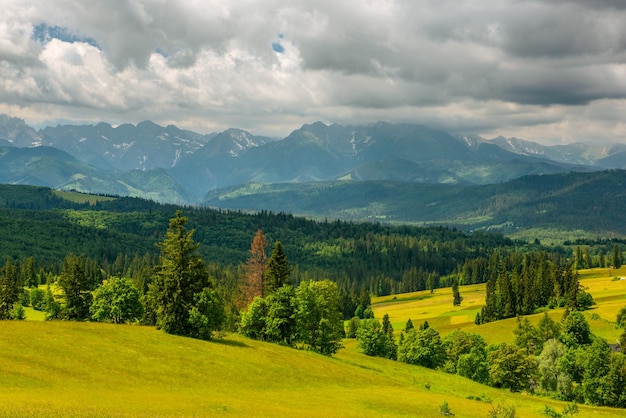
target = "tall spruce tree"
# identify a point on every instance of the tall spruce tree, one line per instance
(10, 288)
(278, 269)
(179, 276)
(456, 295)
(616, 258)
(76, 286)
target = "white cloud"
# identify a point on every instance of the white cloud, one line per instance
(549, 71)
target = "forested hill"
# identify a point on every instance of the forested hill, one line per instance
(117, 233)
(588, 203)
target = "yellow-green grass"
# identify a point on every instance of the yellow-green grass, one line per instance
(81, 197)
(437, 308)
(88, 369)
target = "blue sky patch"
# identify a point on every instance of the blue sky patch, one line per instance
(277, 47)
(44, 33)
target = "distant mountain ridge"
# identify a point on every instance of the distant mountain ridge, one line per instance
(174, 165)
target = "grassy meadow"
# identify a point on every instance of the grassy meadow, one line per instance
(65, 369)
(608, 291)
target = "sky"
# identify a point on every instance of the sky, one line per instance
(549, 71)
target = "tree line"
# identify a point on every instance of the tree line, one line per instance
(563, 360)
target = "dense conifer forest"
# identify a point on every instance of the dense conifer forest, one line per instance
(117, 236)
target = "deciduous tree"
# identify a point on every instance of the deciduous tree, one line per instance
(318, 316)
(116, 300)
(511, 368)
(422, 348)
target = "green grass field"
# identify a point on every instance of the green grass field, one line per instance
(66, 369)
(608, 291)
(77, 197)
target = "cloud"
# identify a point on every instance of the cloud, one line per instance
(538, 67)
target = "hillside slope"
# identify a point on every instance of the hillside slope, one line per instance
(89, 369)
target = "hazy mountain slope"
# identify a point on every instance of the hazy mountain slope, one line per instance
(50, 167)
(126, 147)
(586, 201)
(216, 163)
(106, 157)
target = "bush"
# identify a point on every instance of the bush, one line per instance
(38, 299)
(584, 300)
(352, 326)
(17, 312)
(501, 411)
(444, 409)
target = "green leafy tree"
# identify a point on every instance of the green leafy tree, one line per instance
(179, 277)
(116, 300)
(575, 330)
(52, 306)
(547, 328)
(621, 318)
(252, 323)
(615, 382)
(596, 368)
(278, 270)
(374, 341)
(318, 316)
(422, 348)
(511, 368)
(37, 299)
(352, 326)
(76, 287)
(550, 373)
(473, 365)
(466, 354)
(280, 322)
(10, 288)
(207, 314)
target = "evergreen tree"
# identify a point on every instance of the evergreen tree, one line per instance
(278, 269)
(10, 288)
(527, 337)
(179, 277)
(29, 277)
(616, 258)
(409, 325)
(387, 328)
(76, 286)
(547, 328)
(601, 259)
(456, 295)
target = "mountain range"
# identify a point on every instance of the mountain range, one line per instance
(173, 165)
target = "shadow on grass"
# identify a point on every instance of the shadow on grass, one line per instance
(230, 343)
